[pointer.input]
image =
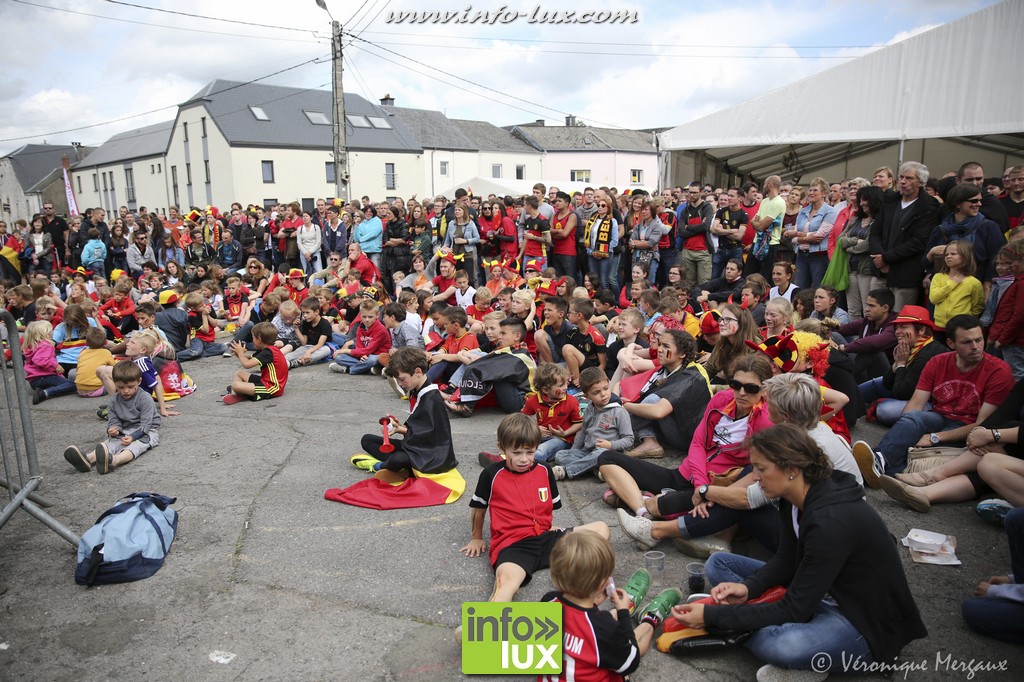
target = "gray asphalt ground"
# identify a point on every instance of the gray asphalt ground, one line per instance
(267, 580)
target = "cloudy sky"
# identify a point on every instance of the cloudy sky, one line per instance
(83, 70)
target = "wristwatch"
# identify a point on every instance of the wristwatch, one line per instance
(996, 436)
(703, 492)
(934, 438)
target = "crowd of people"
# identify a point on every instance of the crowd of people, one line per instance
(748, 328)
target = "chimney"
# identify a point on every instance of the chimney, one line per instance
(570, 121)
(539, 122)
(387, 100)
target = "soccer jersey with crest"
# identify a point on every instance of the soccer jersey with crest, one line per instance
(521, 505)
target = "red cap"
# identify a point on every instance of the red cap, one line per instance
(914, 314)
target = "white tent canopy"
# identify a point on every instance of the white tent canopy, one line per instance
(960, 80)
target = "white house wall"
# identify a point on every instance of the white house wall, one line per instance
(534, 166)
(606, 168)
(15, 203)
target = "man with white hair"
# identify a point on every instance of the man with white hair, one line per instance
(899, 235)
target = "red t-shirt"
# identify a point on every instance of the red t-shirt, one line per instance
(561, 415)
(521, 504)
(453, 345)
(477, 314)
(273, 369)
(443, 284)
(959, 395)
(565, 246)
(195, 324)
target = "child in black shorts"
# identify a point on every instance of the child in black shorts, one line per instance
(521, 495)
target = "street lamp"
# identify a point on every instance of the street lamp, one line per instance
(341, 172)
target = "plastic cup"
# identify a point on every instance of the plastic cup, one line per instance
(695, 576)
(654, 562)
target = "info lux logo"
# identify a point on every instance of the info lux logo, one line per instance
(516, 638)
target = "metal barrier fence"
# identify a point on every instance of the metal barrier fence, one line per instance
(21, 476)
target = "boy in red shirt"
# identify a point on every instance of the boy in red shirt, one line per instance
(521, 495)
(120, 309)
(201, 330)
(457, 338)
(273, 376)
(558, 413)
(369, 339)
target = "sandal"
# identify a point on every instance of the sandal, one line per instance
(461, 409)
(918, 479)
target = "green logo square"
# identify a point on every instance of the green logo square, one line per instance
(518, 638)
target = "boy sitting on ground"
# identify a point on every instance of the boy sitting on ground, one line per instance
(368, 340)
(427, 443)
(314, 332)
(521, 496)
(508, 371)
(581, 569)
(606, 426)
(133, 425)
(557, 412)
(273, 376)
(585, 347)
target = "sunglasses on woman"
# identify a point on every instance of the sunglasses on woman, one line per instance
(749, 389)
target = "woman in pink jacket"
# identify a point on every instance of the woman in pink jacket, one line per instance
(716, 449)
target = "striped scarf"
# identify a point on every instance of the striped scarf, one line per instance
(921, 343)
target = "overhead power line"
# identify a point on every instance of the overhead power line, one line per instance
(505, 95)
(153, 111)
(316, 37)
(202, 16)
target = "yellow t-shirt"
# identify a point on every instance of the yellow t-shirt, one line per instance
(89, 360)
(951, 298)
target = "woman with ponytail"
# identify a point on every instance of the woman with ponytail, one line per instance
(847, 603)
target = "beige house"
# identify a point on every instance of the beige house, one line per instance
(126, 170)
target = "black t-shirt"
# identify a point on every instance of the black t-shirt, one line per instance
(731, 220)
(612, 362)
(313, 332)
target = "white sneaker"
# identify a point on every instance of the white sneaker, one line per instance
(771, 673)
(559, 472)
(227, 354)
(335, 367)
(637, 527)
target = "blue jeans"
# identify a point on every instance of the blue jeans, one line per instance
(357, 365)
(722, 256)
(603, 267)
(54, 385)
(796, 646)
(994, 616)
(905, 433)
(548, 447)
(889, 410)
(578, 462)
(810, 268)
(762, 523)
(197, 348)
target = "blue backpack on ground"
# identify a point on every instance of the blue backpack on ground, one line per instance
(129, 541)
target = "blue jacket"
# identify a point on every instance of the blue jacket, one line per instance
(369, 235)
(94, 251)
(804, 223)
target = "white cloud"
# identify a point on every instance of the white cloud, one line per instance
(95, 70)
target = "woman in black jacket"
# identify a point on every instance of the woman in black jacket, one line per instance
(847, 607)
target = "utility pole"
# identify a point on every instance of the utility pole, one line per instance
(341, 172)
